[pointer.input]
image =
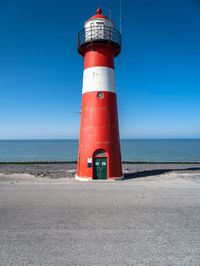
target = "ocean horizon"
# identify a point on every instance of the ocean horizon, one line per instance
(132, 150)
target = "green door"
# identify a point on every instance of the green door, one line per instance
(100, 168)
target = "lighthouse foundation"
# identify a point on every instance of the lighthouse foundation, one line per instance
(81, 178)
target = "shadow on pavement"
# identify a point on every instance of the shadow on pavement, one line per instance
(147, 173)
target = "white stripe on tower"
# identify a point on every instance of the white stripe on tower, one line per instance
(99, 79)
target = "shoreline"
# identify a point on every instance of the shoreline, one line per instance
(75, 162)
(131, 170)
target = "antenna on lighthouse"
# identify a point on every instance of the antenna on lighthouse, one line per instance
(110, 13)
(120, 16)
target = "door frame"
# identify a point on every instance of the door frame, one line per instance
(95, 155)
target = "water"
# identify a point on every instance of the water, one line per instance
(182, 150)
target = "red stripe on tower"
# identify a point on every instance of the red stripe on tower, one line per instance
(99, 146)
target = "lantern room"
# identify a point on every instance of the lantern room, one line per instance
(99, 28)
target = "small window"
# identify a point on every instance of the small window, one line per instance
(100, 153)
(100, 95)
(100, 25)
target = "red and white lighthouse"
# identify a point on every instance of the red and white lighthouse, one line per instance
(99, 146)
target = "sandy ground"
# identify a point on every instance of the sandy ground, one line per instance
(146, 219)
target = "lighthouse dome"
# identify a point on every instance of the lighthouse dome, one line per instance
(98, 19)
(99, 30)
(98, 27)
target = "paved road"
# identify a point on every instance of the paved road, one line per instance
(151, 220)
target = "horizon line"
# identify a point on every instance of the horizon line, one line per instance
(132, 138)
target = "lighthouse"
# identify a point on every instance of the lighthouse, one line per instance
(99, 154)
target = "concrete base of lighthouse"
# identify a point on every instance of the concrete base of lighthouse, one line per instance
(80, 178)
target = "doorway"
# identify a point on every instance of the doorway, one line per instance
(100, 168)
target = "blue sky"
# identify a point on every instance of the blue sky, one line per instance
(158, 71)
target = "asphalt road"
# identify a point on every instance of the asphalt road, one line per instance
(151, 220)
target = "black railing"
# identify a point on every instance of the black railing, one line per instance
(98, 34)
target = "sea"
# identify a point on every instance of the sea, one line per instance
(133, 150)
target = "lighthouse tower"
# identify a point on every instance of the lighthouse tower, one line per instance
(99, 146)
